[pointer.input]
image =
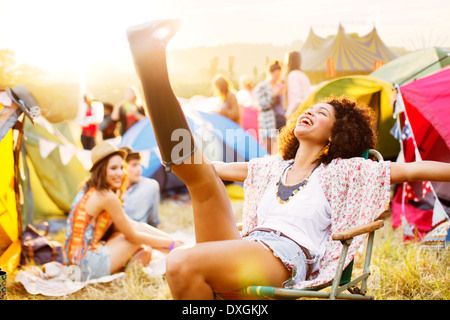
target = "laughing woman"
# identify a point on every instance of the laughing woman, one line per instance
(293, 203)
(97, 208)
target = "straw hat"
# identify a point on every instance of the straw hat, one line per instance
(102, 150)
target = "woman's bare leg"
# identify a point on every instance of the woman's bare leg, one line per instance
(213, 214)
(199, 271)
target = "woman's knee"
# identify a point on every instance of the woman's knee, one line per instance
(177, 264)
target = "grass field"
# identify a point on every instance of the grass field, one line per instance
(400, 271)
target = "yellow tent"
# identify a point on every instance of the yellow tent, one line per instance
(10, 248)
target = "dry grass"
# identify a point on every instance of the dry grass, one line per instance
(400, 270)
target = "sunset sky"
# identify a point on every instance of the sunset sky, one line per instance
(49, 32)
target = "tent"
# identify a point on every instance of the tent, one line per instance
(9, 214)
(218, 137)
(343, 54)
(426, 124)
(414, 65)
(53, 169)
(15, 103)
(374, 92)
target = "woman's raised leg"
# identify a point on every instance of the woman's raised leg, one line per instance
(213, 215)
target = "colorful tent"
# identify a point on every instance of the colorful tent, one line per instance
(344, 54)
(9, 215)
(14, 103)
(218, 137)
(375, 93)
(53, 169)
(414, 65)
(425, 127)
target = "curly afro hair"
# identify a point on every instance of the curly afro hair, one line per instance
(352, 134)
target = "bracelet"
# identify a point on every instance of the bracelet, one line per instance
(172, 245)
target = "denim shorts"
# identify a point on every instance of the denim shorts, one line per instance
(96, 264)
(290, 254)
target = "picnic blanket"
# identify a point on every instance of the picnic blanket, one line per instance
(56, 279)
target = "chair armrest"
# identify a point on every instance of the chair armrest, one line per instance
(353, 232)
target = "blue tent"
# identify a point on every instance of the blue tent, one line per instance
(218, 137)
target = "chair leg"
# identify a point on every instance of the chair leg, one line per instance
(337, 277)
(367, 261)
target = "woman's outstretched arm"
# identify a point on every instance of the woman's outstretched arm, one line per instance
(234, 171)
(420, 171)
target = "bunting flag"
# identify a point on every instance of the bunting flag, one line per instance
(84, 156)
(66, 151)
(439, 213)
(395, 131)
(406, 132)
(399, 105)
(410, 194)
(46, 147)
(426, 187)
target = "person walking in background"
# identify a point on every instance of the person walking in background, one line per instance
(128, 111)
(92, 116)
(141, 201)
(269, 96)
(108, 126)
(297, 82)
(229, 106)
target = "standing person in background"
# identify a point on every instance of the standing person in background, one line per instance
(129, 110)
(269, 96)
(229, 106)
(141, 201)
(108, 126)
(298, 84)
(90, 120)
(245, 96)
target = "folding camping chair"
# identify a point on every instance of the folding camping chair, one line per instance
(343, 278)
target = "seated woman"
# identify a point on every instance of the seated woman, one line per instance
(319, 185)
(97, 208)
(296, 197)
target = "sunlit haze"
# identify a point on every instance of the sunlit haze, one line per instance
(55, 34)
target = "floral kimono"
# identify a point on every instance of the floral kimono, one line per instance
(358, 191)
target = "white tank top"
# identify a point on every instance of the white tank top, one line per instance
(306, 217)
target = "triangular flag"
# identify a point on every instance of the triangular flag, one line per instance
(145, 158)
(406, 132)
(399, 104)
(439, 213)
(85, 158)
(66, 153)
(395, 131)
(426, 187)
(46, 147)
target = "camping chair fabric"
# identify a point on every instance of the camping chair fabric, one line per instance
(358, 191)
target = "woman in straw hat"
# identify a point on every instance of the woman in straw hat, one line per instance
(98, 207)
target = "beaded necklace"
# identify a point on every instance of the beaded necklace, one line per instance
(284, 192)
